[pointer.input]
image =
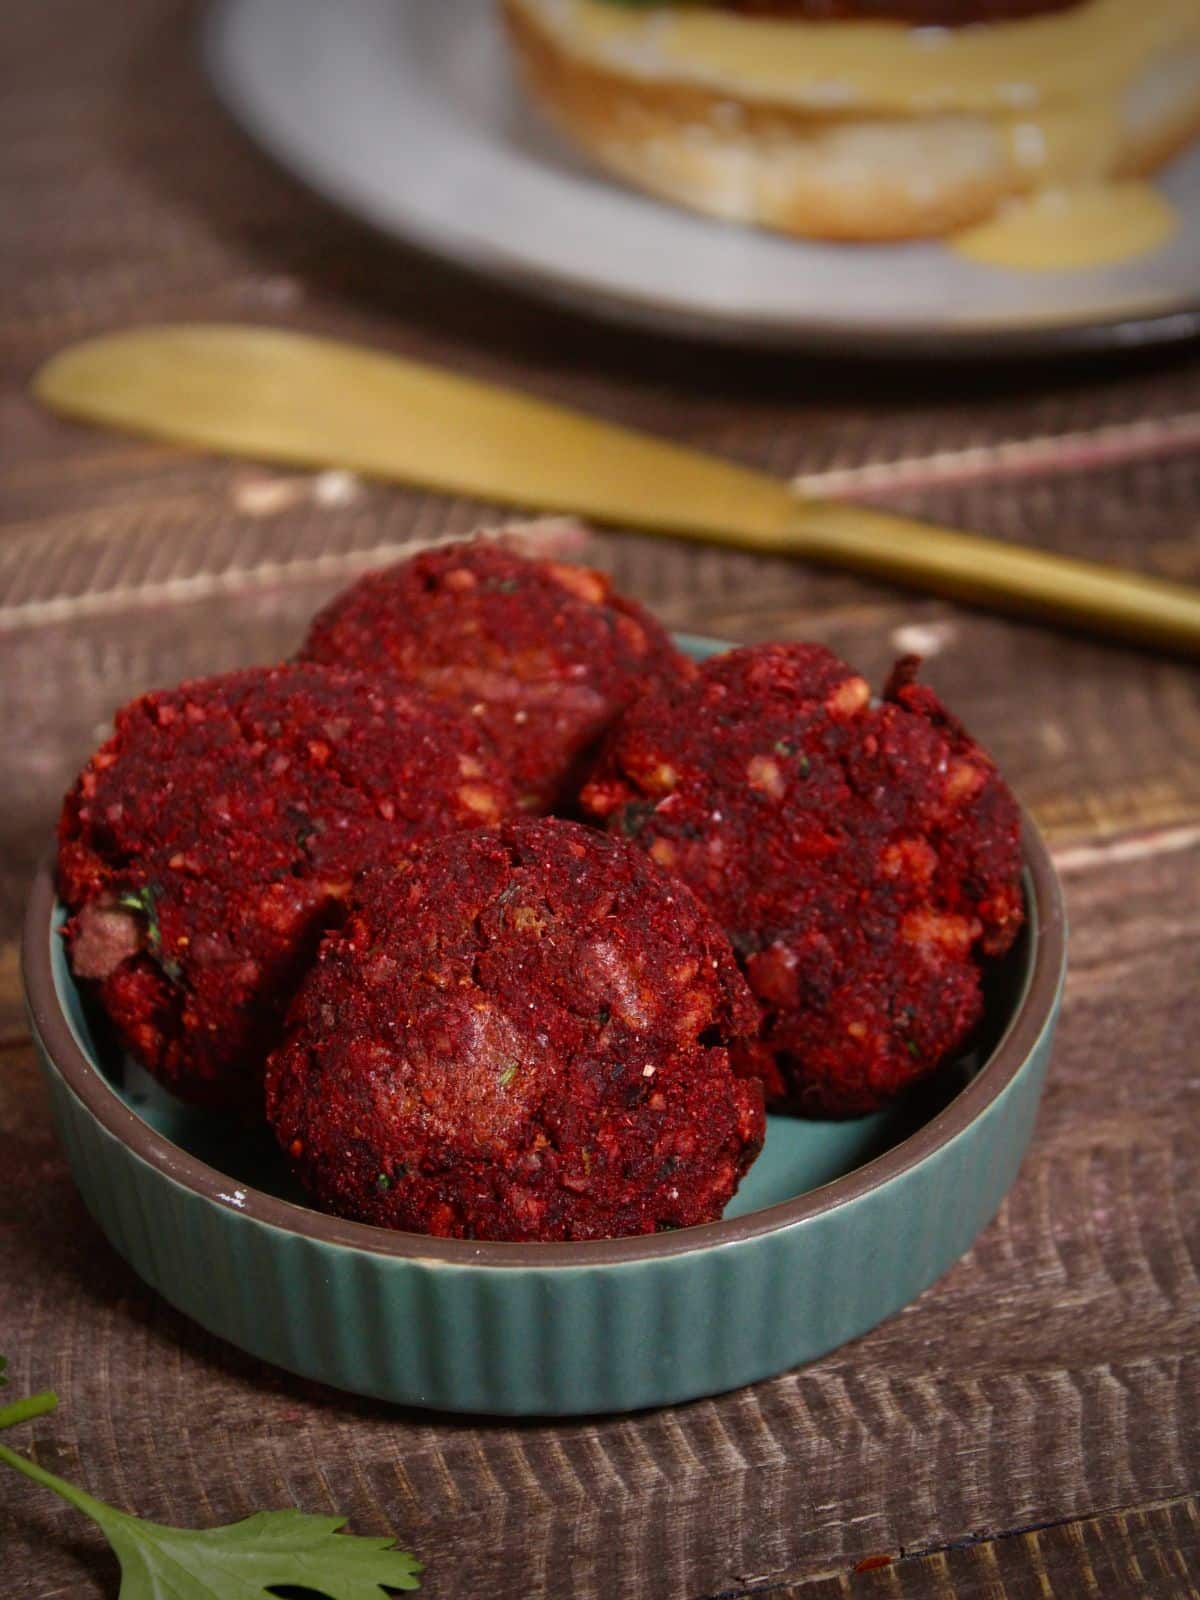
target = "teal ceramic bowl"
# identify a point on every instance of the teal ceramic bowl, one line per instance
(837, 1225)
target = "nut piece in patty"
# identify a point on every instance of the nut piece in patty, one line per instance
(206, 846)
(543, 655)
(520, 1033)
(862, 859)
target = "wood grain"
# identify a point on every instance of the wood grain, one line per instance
(1152, 1553)
(1031, 1425)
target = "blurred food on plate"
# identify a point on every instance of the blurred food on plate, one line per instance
(883, 119)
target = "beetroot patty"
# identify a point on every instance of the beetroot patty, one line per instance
(209, 842)
(520, 1034)
(545, 656)
(862, 859)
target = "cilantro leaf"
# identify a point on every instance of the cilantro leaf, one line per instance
(35, 1405)
(248, 1560)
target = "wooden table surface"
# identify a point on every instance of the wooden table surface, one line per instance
(1031, 1426)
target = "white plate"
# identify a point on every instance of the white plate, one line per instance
(404, 112)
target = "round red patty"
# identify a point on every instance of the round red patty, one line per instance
(210, 841)
(862, 859)
(543, 655)
(521, 1033)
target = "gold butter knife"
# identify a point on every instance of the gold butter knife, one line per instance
(280, 396)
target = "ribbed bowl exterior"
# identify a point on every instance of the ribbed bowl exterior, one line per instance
(529, 1330)
(554, 1339)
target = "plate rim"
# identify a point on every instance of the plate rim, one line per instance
(1143, 327)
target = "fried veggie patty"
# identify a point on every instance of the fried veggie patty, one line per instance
(210, 841)
(521, 1033)
(544, 656)
(863, 859)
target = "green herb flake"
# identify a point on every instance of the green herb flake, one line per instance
(784, 747)
(144, 902)
(383, 1183)
(634, 817)
(140, 900)
(509, 1073)
(913, 1048)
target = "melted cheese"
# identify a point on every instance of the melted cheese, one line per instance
(1092, 51)
(1058, 230)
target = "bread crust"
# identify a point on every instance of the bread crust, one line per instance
(846, 176)
(917, 13)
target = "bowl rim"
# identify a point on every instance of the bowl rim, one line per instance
(105, 1106)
